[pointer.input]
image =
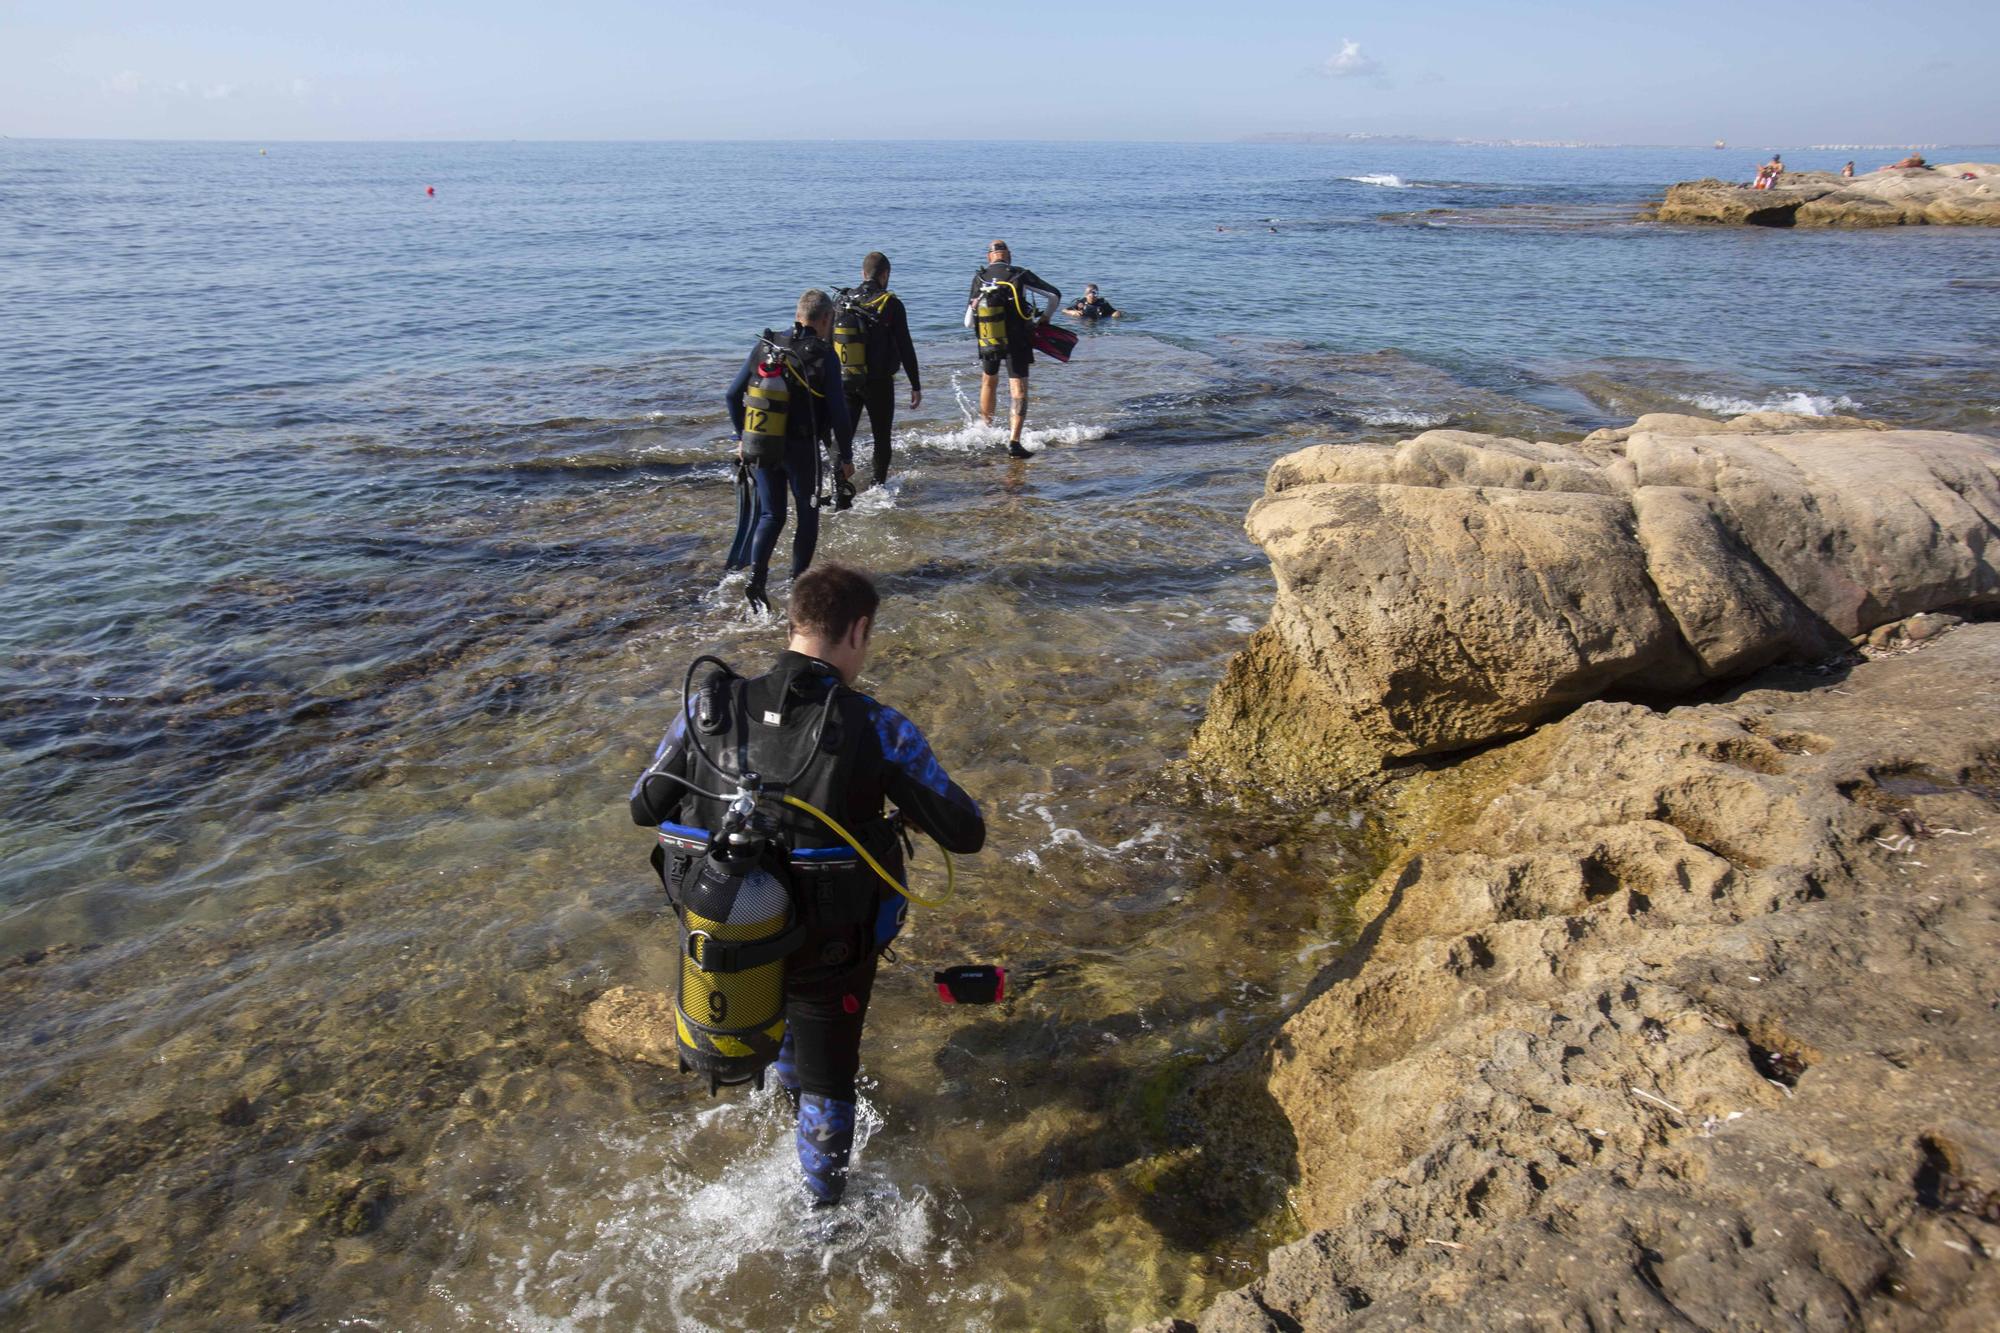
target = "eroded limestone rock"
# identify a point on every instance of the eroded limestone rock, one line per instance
(1681, 1020)
(1456, 588)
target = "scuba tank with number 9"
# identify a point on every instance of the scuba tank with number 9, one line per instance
(738, 926)
(738, 906)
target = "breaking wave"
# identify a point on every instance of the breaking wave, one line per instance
(1805, 404)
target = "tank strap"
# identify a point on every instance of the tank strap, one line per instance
(714, 955)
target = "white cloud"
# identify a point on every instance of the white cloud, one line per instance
(300, 87)
(125, 83)
(217, 92)
(1349, 62)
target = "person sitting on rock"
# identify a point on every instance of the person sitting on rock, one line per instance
(1847, 172)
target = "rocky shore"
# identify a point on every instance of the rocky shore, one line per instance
(1938, 196)
(1663, 1016)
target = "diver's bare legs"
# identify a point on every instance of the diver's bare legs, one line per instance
(989, 386)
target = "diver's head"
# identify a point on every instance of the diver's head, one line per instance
(998, 253)
(875, 267)
(816, 312)
(1090, 291)
(833, 613)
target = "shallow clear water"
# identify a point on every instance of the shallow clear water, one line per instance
(355, 543)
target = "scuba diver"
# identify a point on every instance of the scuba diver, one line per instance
(846, 754)
(785, 400)
(871, 334)
(997, 309)
(1092, 306)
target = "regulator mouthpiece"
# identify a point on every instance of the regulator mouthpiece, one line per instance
(972, 983)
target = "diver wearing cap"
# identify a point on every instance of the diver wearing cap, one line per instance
(782, 403)
(1093, 306)
(999, 310)
(873, 317)
(860, 754)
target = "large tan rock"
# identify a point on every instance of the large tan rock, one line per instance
(1732, 612)
(1672, 1021)
(1938, 195)
(1455, 589)
(1420, 617)
(1864, 527)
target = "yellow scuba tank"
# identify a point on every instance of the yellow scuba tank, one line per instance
(768, 403)
(989, 317)
(738, 926)
(854, 316)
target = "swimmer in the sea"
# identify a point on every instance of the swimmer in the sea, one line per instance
(1092, 306)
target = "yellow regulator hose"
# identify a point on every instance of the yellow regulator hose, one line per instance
(950, 877)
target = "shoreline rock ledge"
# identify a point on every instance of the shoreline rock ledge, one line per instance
(1457, 589)
(1911, 196)
(1667, 1021)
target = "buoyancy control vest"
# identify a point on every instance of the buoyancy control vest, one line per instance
(780, 896)
(780, 404)
(997, 312)
(859, 323)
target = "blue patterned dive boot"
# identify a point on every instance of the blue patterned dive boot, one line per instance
(826, 1138)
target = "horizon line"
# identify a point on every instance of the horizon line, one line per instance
(1258, 139)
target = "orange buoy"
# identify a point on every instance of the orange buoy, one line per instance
(431, 190)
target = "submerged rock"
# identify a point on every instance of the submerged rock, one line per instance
(1940, 196)
(1681, 1020)
(629, 1023)
(1456, 589)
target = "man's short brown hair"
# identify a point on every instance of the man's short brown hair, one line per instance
(828, 599)
(874, 265)
(1001, 246)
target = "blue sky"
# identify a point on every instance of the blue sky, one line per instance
(1778, 73)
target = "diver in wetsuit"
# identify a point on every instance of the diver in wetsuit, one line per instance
(997, 308)
(1093, 306)
(882, 327)
(869, 753)
(796, 401)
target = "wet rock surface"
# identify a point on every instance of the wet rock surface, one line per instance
(1915, 196)
(1681, 1020)
(1456, 588)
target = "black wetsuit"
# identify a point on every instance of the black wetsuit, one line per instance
(1020, 352)
(889, 346)
(869, 753)
(1093, 309)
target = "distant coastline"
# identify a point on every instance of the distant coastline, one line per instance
(1423, 141)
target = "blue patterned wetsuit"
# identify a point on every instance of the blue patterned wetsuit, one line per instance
(871, 754)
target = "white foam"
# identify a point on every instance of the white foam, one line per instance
(1388, 180)
(1241, 625)
(1398, 416)
(970, 436)
(974, 438)
(1805, 404)
(677, 1238)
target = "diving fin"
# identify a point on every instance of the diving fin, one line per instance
(739, 549)
(1055, 342)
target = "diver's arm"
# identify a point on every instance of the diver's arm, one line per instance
(836, 407)
(1025, 278)
(737, 388)
(656, 799)
(906, 348)
(915, 780)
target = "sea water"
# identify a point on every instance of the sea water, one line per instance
(356, 539)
